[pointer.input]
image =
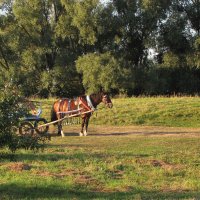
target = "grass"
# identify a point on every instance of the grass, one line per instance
(108, 164)
(162, 111)
(125, 161)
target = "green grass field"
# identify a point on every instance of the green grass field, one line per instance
(158, 160)
(162, 111)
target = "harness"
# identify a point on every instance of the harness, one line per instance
(68, 121)
(69, 104)
(89, 102)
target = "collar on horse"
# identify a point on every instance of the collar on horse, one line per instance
(89, 102)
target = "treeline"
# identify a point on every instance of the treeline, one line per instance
(68, 47)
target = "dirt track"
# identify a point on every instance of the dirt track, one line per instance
(128, 131)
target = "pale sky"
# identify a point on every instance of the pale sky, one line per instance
(105, 1)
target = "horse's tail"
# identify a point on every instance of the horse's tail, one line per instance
(53, 114)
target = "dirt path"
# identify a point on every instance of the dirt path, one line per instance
(124, 131)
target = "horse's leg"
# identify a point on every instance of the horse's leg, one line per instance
(59, 128)
(82, 126)
(86, 125)
(62, 133)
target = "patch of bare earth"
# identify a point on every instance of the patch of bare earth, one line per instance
(62, 174)
(129, 131)
(18, 166)
(80, 178)
(116, 174)
(159, 163)
(85, 179)
(176, 190)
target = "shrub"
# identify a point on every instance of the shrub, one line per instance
(11, 111)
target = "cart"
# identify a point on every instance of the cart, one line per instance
(32, 122)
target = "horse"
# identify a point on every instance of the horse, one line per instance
(82, 106)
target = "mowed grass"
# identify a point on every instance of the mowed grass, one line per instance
(119, 159)
(110, 163)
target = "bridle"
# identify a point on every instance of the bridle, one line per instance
(106, 100)
(87, 103)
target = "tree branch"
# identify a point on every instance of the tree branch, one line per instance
(6, 65)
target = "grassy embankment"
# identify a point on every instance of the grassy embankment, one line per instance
(173, 112)
(124, 162)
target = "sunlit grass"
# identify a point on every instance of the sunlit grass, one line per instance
(159, 111)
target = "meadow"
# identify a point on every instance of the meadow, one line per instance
(158, 111)
(143, 148)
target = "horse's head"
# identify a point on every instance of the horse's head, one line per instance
(105, 98)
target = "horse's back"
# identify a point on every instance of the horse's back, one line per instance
(65, 105)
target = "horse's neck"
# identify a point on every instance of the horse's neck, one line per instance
(95, 99)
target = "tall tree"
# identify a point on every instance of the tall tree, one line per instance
(137, 21)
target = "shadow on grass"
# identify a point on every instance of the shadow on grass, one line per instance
(71, 134)
(138, 132)
(14, 191)
(54, 157)
(67, 134)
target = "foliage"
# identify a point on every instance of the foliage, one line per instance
(99, 71)
(197, 53)
(42, 40)
(12, 111)
(62, 82)
(170, 60)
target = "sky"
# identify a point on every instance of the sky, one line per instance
(105, 1)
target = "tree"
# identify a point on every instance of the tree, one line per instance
(192, 9)
(99, 71)
(41, 40)
(137, 22)
(34, 44)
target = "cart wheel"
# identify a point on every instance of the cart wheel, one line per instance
(26, 128)
(43, 129)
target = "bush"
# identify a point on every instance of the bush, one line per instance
(11, 111)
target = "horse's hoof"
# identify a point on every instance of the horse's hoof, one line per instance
(62, 134)
(85, 133)
(80, 134)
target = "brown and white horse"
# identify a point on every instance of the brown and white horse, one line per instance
(82, 104)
